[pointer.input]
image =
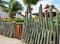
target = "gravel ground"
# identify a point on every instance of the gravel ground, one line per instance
(6, 40)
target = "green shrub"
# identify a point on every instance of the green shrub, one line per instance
(19, 19)
(7, 20)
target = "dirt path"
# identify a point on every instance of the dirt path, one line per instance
(6, 40)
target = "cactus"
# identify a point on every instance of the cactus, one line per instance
(51, 19)
(57, 27)
(40, 31)
(46, 19)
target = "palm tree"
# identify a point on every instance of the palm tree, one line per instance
(13, 8)
(29, 3)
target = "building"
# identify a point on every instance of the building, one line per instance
(6, 15)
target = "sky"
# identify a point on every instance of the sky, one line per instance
(43, 2)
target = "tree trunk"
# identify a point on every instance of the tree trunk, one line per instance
(12, 16)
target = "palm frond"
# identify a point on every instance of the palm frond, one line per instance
(17, 6)
(33, 2)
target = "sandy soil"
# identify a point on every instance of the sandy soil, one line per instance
(6, 40)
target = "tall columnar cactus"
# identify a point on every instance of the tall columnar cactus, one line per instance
(51, 19)
(40, 16)
(46, 19)
(41, 31)
(24, 31)
(57, 21)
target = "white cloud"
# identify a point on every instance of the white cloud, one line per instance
(44, 2)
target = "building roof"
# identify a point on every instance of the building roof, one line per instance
(3, 14)
(6, 15)
(43, 14)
